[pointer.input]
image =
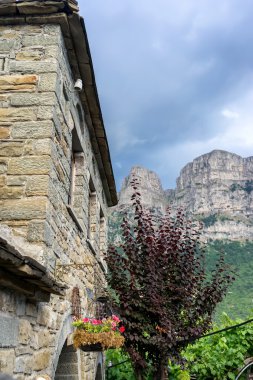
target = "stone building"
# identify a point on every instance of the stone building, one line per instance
(56, 184)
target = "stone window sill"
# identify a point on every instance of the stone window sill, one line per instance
(73, 215)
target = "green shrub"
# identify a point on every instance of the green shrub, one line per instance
(209, 220)
(218, 357)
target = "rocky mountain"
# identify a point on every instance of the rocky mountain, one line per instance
(150, 187)
(216, 188)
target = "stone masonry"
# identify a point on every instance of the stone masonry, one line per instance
(56, 184)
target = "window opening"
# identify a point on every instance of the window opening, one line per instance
(92, 211)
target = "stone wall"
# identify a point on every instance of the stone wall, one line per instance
(51, 196)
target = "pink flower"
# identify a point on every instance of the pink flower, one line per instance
(96, 321)
(114, 324)
(122, 329)
(86, 320)
(115, 318)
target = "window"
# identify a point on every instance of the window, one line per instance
(76, 197)
(66, 104)
(102, 233)
(92, 217)
(102, 239)
(72, 179)
(80, 117)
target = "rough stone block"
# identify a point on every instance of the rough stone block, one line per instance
(4, 100)
(3, 179)
(42, 147)
(7, 45)
(9, 34)
(4, 132)
(52, 52)
(7, 359)
(23, 350)
(40, 40)
(23, 209)
(60, 172)
(3, 167)
(52, 29)
(20, 364)
(46, 317)
(11, 148)
(8, 331)
(25, 331)
(21, 83)
(34, 66)
(45, 113)
(31, 310)
(9, 115)
(48, 82)
(43, 99)
(30, 165)
(37, 185)
(45, 339)
(30, 55)
(36, 231)
(11, 192)
(31, 130)
(16, 180)
(20, 306)
(41, 360)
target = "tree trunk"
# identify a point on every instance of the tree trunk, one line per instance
(139, 374)
(162, 370)
(161, 374)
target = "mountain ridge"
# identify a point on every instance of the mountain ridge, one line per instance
(215, 188)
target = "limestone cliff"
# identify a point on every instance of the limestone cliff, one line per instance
(216, 188)
(152, 193)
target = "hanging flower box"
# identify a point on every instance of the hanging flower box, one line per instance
(98, 335)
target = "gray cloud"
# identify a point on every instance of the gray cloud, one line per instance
(166, 71)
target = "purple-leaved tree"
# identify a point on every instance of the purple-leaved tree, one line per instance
(160, 287)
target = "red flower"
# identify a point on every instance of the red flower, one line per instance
(86, 320)
(122, 329)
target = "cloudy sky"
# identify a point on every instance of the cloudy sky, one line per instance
(175, 79)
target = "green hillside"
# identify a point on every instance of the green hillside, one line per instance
(239, 300)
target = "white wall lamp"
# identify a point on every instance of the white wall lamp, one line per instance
(78, 86)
